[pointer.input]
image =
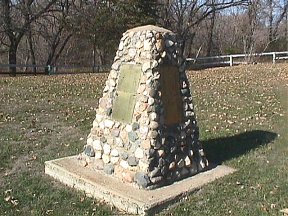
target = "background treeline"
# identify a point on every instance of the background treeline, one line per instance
(83, 33)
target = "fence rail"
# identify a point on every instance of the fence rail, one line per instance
(230, 59)
(199, 61)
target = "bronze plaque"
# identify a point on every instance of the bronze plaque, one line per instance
(170, 93)
(123, 106)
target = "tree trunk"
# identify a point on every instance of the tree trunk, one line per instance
(271, 36)
(210, 34)
(33, 60)
(12, 58)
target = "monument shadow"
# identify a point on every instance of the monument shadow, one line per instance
(221, 149)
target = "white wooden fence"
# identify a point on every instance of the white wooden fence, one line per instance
(230, 59)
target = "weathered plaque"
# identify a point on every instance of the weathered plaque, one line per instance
(125, 100)
(170, 93)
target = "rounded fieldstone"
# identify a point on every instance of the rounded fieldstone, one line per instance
(124, 155)
(114, 153)
(108, 169)
(153, 92)
(151, 101)
(139, 153)
(89, 141)
(124, 164)
(132, 161)
(153, 125)
(141, 179)
(106, 149)
(103, 139)
(97, 145)
(114, 160)
(98, 154)
(89, 151)
(153, 134)
(132, 136)
(105, 158)
(135, 126)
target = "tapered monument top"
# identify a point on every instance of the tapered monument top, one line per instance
(150, 28)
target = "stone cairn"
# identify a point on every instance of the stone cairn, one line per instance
(145, 130)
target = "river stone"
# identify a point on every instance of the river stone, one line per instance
(124, 164)
(106, 149)
(132, 136)
(141, 179)
(115, 132)
(89, 141)
(154, 125)
(89, 151)
(124, 155)
(108, 169)
(108, 123)
(139, 153)
(135, 126)
(143, 166)
(114, 153)
(146, 66)
(114, 160)
(132, 161)
(105, 158)
(151, 101)
(152, 134)
(97, 145)
(128, 128)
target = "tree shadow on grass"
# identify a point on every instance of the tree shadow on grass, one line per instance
(225, 148)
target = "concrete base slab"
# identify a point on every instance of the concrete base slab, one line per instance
(123, 196)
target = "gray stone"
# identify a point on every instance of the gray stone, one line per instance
(103, 139)
(153, 92)
(135, 126)
(132, 136)
(124, 155)
(141, 179)
(108, 169)
(89, 151)
(185, 91)
(109, 111)
(132, 161)
(116, 132)
(169, 43)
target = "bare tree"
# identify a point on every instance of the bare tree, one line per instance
(53, 28)
(183, 16)
(17, 16)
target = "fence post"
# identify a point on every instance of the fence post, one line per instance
(274, 58)
(231, 60)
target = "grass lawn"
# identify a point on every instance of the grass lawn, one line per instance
(242, 115)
